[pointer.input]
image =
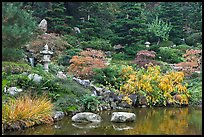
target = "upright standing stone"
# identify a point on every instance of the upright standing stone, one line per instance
(43, 25)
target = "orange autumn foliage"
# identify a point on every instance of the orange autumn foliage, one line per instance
(193, 62)
(82, 66)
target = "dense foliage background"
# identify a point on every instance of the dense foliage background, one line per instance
(104, 42)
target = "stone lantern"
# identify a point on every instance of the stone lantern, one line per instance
(147, 44)
(46, 57)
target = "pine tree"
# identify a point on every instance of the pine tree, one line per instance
(97, 18)
(38, 9)
(171, 12)
(58, 21)
(194, 15)
(18, 27)
(130, 26)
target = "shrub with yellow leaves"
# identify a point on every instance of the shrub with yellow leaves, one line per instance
(158, 88)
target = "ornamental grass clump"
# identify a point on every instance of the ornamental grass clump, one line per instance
(26, 111)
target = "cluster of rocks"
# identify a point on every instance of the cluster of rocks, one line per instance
(12, 90)
(112, 100)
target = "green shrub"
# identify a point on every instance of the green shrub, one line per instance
(39, 69)
(183, 47)
(19, 80)
(67, 103)
(64, 59)
(195, 90)
(121, 56)
(165, 67)
(90, 103)
(53, 68)
(132, 50)
(99, 44)
(170, 55)
(108, 76)
(194, 38)
(177, 40)
(15, 67)
(156, 47)
(12, 54)
(56, 88)
(73, 40)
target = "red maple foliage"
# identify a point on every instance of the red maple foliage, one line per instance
(145, 57)
(82, 66)
(193, 62)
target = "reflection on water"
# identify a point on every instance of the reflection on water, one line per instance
(174, 121)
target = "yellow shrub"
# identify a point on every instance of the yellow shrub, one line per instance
(158, 88)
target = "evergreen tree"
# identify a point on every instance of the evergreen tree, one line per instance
(97, 18)
(193, 13)
(130, 26)
(171, 12)
(58, 21)
(38, 9)
(18, 27)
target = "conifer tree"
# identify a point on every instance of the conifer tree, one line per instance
(18, 27)
(58, 21)
(130, 26)
(171, 12)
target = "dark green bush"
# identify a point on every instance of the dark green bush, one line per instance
(183, 47)
(54, 68)
(67, 103)
(99, 44)
(12, 54)
(15, 67)
(19, 80)
(108, 76)
(39, 69)
(121, 56)
(90, 103)
(156, 47)
(132, 50)
(194, 38)
(73, 40)
(170, 55)
(165, 67)
(64, 59)
(195, 90)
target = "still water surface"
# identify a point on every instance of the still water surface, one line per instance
(149, 121)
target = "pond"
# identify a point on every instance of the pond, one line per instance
(149, 121)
